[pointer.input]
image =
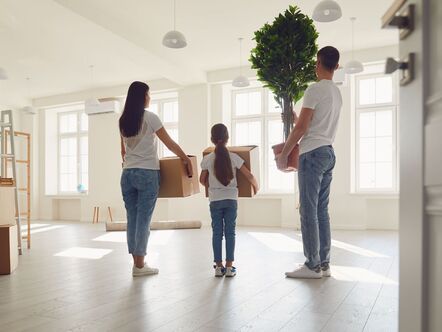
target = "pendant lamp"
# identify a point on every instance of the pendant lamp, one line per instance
(327, 11)
(240, 81)
(353, 66)
(174, 38)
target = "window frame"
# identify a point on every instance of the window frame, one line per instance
(78, 135)
(359, 109)
(167, 125)
(264, 117)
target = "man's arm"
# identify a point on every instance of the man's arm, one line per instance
(301, 127)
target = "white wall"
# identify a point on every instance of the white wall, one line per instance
(200, 106)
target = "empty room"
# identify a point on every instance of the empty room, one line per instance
(189, 165)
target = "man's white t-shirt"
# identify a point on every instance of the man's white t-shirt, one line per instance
(141, 150)
(217, 191)
(325, 99)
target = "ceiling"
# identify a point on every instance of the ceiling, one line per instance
(55, 41)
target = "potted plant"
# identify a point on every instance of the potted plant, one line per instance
(284, 58)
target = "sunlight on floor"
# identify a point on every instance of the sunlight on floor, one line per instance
(357, 250)
(119, 237)
(278, 241)
(39, 228)
(87, 253)
(160, 238)
(347, 273)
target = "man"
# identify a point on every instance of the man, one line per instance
(316, 128)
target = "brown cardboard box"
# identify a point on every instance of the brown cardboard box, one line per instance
(7, 205)
(8, 249)
(174, 179)
(250, 155)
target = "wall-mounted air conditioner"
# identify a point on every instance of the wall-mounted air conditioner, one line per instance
(339, 77)
(105, 106)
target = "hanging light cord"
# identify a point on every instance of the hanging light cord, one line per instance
(240, 55)
(174, 14)
(352, 37)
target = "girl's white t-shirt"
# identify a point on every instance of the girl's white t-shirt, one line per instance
(218, 191)
(141, 150)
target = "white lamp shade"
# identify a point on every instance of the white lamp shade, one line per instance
(240, 81)
(353, 67)
(29, 110)
(3, 75)
(327, 11)
(92, 102)
(174, 39)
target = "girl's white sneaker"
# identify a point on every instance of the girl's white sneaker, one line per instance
(230, 271)
(219, 271)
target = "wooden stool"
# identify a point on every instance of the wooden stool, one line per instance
(97, 213)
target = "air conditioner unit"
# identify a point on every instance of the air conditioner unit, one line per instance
(340, 78)
(106, 106)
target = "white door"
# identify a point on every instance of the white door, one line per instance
(420, 234)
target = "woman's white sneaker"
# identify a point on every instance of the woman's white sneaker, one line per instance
(303, 272)
(326, 272)
(219, 271)
(144, 271)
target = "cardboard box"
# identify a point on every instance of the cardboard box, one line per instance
(292, 160)
(7, 205)
(174, 179)
(8, 249)
(250, 155)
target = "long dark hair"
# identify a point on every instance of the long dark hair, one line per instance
(133, 113)
(223, 165)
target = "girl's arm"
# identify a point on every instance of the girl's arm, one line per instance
(175, 148)
(204, 177)
(244, 170)
(123, 149)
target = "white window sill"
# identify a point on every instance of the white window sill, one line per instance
(376, 195)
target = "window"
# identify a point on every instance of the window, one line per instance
(167, 111)
(376, 133)
(256, 120)
(73, 151)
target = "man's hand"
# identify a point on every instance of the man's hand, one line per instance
(188, 163)
(281, 162)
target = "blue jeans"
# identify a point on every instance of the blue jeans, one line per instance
(140, 191)
(223, 215)
(314, 178)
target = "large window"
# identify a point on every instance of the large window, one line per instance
(256, 120)
(73, 151)
(376, 133)
(167, 111)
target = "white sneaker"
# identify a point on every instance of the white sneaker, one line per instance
(220, 271)
(303, 272)
(144, 271)
(230, 271)
(326, 272)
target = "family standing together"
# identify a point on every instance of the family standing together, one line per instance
(314, 129)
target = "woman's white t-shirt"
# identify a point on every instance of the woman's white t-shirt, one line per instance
(141, 150)
(218, 191)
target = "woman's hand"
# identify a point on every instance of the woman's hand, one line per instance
(188, 164)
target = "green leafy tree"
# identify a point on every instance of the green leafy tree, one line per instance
(284, 58)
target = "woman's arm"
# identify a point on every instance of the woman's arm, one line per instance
(244, 170)
(204, 177)
(175, 148)
(123, 149)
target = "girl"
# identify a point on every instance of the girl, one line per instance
(219, 174)
(140, 180)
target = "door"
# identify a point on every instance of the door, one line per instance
(420, 227)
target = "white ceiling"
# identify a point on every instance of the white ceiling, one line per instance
(54, 41)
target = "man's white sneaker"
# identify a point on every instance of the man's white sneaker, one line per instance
(144, 271)
(230, 271)
(303, 272)
(326, 272)
(219, 271)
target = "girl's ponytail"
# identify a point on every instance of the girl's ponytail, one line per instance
(223, 165)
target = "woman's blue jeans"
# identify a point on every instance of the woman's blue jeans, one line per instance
(140, 191)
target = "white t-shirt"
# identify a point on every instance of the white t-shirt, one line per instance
(325, 99)
(217, 191)
(141, 150)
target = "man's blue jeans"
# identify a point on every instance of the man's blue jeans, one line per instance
(223, 215)
(140, 191)
(314, 178)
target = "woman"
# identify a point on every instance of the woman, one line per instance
(140, 180)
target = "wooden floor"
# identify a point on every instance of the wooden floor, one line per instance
(78, 278)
